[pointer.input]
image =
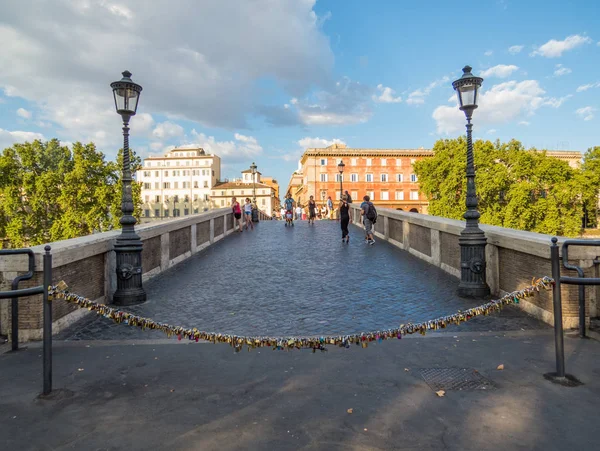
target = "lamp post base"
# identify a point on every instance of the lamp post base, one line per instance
(129, 272)
(472, 243)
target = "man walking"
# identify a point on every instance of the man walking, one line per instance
(369, 215)
(330, 207)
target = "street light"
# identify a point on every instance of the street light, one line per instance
(254, 207)
(341, 166)
(472, 240)
(128, 246)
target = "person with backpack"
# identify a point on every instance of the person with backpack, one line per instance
(369, 214)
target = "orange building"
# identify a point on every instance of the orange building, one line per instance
(385, 175)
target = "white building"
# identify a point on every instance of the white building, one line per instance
(178, 184)
(266, 196)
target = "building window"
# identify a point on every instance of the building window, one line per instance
(264, 191)
(339, 177)
(369, 161)
(354, 195)
(414, 194)
(385, 195)
(205, 184)
(383, 162)
(413, 177)
(354, 177)
(195, 211)
(156, 185)
(353, 162)
(206, 198)
(157, 199)
(166, 185)
(147, 185)
(166, 173)
(222, 193)
(222, 202)
(147, 213)
(157, 213)
(323, 161)
(186, 198)
(176, 185)
(178, 163)
(398, 161)
(384, 178)
(399, 195)
(399, 177)
(186, 211)
(195, 184)
(195, 197)
(166, 213)
(369, 177)
(146, 173)
(323, 177)
(371, 194)
(176, 212)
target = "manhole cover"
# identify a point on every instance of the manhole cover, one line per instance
(455, 379)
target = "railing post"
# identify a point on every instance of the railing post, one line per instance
(581, 311)
(558, 323)
(14, 314)
(47, 323)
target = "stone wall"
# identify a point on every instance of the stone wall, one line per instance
(513, 258)
(88, 265)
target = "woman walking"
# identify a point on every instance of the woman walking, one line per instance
(248, 214)
(345, 218)
(312, 214)
(237, 213)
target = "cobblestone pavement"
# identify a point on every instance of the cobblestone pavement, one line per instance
(298, 281)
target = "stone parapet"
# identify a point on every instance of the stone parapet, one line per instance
(513, 258)
(88, 265)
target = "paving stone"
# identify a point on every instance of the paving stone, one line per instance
(303, 280)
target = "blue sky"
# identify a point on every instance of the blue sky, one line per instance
(261, 80)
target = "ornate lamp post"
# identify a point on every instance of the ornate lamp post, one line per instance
(472, 239)
(128, 246)
(254, 206)
(341, 166)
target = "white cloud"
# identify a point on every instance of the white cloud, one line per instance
(524, 123)
(22, 112)
(212, 71)
(387, 95)
(491, 131)
(586, 113)
(588, 86)
(309, 143)
(8, 138)
(156, 145)
(488, 53)
(514, 49)
(500, 71)
(500, 104)
(417, 97)
(166, 130)
(561, 70)
(240, 148)
(554, 48)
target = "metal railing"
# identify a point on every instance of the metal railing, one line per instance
(581, 281)
(16, 293)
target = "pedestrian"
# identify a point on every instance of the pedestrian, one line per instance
(298, 213)
(282, 213)
(349, 199)
(345, 218)
(248, 214)
(330, 207)
(237, 213)
(312, 214)
(289, 210)
(369, 214)
(323, 212)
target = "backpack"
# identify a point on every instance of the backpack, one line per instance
(372, 213)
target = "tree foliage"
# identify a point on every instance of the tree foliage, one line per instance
(517, 188)
(49, 192)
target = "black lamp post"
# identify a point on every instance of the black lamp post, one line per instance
(254, 206)
(472, 239)
(341, 166)
(128, 246)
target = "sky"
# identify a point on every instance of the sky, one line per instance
(262, 80)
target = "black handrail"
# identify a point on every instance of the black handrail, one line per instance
(582, 281)
(14, 294)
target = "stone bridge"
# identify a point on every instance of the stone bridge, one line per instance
(295, 281)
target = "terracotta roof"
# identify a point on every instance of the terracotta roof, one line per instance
(236, 185)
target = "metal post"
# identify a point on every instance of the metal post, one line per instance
(582, 311)
(128, 247)
(14, 332)
(47, 323)
(472, 240)
(558, 323)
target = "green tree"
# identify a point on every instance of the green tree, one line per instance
(136, 188)
(49, 192)
(590, 182)
(517, 188)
